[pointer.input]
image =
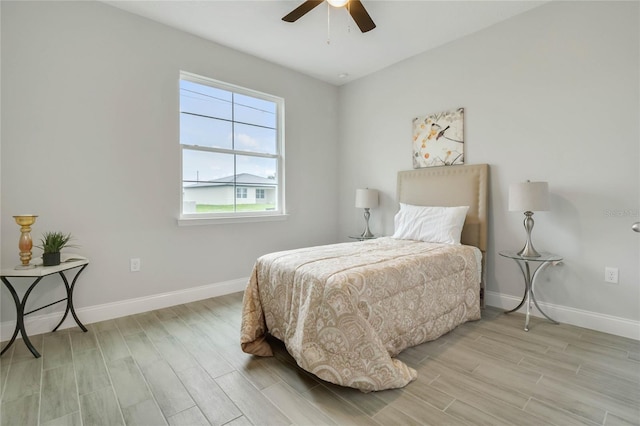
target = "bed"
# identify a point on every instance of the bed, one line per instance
(344, 311)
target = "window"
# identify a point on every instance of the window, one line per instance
(241, 192)
(232, 147)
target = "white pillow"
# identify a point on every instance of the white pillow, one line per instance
(430, 224)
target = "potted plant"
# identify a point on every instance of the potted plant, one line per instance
(51, 243)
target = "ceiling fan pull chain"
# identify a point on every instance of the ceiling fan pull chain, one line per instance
(328, 23)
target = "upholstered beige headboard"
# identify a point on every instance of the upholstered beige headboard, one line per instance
(450, 186)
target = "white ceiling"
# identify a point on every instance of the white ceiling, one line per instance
(404, 29)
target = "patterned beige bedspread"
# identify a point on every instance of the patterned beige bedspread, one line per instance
(345, 310)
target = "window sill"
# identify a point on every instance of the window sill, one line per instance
(197, 221)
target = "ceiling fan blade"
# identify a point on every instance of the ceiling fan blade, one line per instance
(360, 15)
(301, 10)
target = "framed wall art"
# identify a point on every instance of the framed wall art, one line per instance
(438, 139)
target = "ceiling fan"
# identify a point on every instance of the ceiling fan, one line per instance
(355, 7)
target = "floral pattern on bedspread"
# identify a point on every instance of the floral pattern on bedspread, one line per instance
(345, 310)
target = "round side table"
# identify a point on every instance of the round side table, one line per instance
(525, 263)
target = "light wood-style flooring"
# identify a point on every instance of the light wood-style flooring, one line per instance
(183, 366)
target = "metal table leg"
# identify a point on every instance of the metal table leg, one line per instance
(533, 294)
(20, 316)
(16, 301)
(69, 306)
(529, 293)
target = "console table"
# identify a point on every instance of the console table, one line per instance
(524, 263)
(38, 273)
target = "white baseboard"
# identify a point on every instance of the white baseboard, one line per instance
(564, 314)
(45, 323)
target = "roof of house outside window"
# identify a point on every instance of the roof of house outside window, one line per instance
(242, 179)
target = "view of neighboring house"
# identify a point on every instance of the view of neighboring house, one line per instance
(243, 188)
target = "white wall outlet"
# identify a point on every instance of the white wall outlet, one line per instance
(134, 264)
(611, 275)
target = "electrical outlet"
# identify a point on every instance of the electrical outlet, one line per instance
(611, 275)
(134, 264)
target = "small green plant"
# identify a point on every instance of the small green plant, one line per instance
(53, 242)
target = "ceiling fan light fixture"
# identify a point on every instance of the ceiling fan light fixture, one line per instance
(338, 3)
(355, 8)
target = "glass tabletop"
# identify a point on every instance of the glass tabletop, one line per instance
(544, 256)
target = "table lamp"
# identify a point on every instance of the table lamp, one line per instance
(528, 197)
(366, 199)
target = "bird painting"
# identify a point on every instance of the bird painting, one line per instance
(438, 139)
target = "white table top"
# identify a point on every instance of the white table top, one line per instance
(72, 261)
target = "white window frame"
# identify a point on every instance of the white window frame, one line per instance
(187, 219)
(241, 193)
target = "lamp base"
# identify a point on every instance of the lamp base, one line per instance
(528, 250)
(367, 233)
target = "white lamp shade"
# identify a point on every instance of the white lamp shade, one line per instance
(366, 198)
(529, 196)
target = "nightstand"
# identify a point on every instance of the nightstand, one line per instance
(525, 264)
